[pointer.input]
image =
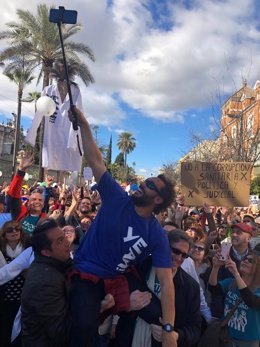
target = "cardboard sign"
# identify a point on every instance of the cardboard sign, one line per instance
(219, 184)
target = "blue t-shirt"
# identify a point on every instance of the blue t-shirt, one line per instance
(5, 217)
(119, 237)
(245, 322)
(29, 224)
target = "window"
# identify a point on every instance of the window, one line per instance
(250, 126)
(8, 148)
(234, 132)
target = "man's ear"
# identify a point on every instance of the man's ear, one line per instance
(158, 200)
(46, 252)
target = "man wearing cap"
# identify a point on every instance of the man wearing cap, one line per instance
(240, 236)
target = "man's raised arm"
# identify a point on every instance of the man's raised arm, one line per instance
(90, 147)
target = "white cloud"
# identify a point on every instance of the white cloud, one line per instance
(101, 108)
(161, 73)
(119, 131)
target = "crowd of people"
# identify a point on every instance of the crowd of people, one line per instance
(102, 266)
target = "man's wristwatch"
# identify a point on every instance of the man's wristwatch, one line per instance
(168, 327)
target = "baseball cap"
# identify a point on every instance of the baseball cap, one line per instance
(244, 227)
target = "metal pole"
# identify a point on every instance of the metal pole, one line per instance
(16, 142)
(75, 125)
(17, 133)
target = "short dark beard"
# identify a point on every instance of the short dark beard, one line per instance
(85, 211)
(142, 201)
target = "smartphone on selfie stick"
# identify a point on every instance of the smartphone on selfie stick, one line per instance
(62, 16)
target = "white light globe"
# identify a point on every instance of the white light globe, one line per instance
(26, 176)
(45, 106)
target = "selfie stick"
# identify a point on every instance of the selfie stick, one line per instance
(75, 124)
(72, 106)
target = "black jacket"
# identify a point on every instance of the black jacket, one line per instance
(187, 310)
(45, 306)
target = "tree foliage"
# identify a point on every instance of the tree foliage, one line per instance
(172, 171)
(126, 144)
(109, 152)
(255, 186)
(20, 72)
(38, 39)
(120, 159)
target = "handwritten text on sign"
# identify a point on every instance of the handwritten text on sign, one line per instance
(222, 184)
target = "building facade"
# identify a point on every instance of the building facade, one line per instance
(239, 136)
(7, 134)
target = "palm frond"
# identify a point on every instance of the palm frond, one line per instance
(35, 38)
(79, 48)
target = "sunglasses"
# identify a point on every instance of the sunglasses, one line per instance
(178, 252)
(11, 230)
(150, 184)
(198, 248)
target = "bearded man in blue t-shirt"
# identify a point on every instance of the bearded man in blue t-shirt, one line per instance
(124, 232)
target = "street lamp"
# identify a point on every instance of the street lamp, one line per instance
(17, 122)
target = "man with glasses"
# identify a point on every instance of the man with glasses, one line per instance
(146, 331)
(124, 232)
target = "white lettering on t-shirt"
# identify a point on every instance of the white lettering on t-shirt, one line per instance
(130, 236)
(134, 250)
(239, 319)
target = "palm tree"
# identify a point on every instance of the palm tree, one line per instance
(126, 144)
(32, 97)
(38, 39)
(19, 72)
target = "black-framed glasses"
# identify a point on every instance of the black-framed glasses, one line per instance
(178, 252)
(198, 248)
(11, 230)
(151, 185)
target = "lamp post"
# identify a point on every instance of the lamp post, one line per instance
(17, 124)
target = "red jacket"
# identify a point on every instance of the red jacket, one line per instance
(18, 211)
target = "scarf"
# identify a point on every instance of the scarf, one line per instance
(13, 253)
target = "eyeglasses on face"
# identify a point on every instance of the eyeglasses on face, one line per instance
(151, 185)
(11, 230)
(198, 248)
(178, 252)
(71, 230)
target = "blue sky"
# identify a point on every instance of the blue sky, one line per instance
(160, 67)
